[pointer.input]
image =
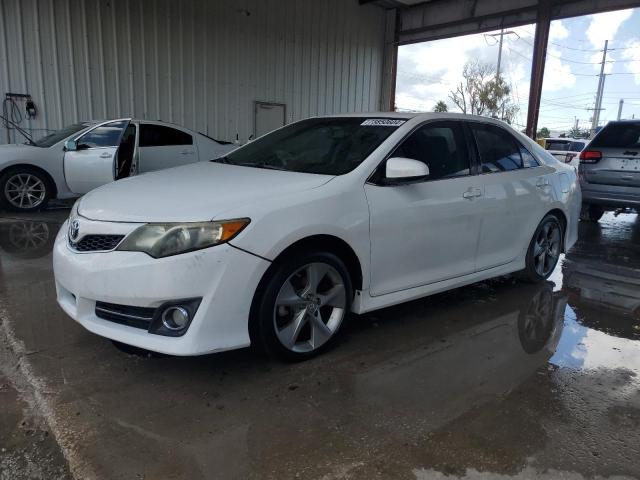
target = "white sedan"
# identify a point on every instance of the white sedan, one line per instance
(83, 156)
(275, 243)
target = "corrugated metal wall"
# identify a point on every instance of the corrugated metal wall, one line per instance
(194, 62)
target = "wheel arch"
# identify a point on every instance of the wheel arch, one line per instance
(30, 166)
(331, 244)
(562, 217)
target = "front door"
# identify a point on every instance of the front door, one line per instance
(93, 163)
(426, 232)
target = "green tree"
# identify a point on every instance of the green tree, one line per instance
(441, 107)
(543, 133)
(482, 93)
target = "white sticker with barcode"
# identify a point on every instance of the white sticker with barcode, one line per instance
(382, 122)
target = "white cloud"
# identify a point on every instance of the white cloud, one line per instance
(632, 52)
(604, 26)
(558, 31)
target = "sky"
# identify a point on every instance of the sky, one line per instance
(428, 71)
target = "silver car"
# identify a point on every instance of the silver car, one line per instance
(609, 170)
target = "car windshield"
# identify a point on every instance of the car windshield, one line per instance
(58, 135)
(577, 146)
(329, 146)
(562, 145)
(618, 135)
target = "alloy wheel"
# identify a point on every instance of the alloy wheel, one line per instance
(25, 190)
(546, 249)
(309, 307)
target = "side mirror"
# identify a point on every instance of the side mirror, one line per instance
(405, 170)
(70, 146)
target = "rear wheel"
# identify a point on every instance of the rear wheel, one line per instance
(24, 189)
(305, 299)
(544, 250)
(591, 213)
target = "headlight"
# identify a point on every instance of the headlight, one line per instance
(165, 239)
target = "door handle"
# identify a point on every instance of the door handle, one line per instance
(186, 152)
(105, 155)
(542, 182)
(472, 193)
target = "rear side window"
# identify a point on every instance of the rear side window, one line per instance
(107, 135)
(161, 136)
(499, 151)
(618, 135)
(441, 146)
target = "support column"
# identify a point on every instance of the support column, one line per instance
(537, 66)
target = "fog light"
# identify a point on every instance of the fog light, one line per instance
(175, 318)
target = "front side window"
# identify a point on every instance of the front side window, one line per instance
(329, 146)
(441, 147)
(107, 135)
(161, 136)
(499, 151)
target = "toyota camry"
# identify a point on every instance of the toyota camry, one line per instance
(276, 243)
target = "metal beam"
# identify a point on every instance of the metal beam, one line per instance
(438, 19)
(537, 67)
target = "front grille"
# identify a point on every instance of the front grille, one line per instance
(138, 317)
(95, 243)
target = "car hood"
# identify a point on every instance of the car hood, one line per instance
(193, 193)
(13, 149)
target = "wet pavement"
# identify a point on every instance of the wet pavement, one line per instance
(495, 380)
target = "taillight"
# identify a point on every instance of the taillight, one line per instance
(590, 156)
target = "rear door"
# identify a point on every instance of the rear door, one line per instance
(93, 163)
(161, 146)
(517, 194)
(619, 144)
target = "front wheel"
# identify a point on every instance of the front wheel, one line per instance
(24, 190)
(302, 305)
(544, 250)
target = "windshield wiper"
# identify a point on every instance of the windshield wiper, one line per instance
(263, 165)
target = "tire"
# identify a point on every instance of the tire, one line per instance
(36, 196)
(291, 319)
(591, 213)
(544, 250)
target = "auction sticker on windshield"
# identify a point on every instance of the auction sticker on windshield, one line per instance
(382, 122)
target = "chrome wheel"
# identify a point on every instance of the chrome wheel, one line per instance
(546, 249)
(25, 190)
(309, 307)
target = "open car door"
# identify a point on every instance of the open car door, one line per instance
(90, 161)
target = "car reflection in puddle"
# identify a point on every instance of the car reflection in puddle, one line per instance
(27, 239)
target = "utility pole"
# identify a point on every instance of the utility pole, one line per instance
(502, 34)
(499, 53)
(598, 107)
(620, 108)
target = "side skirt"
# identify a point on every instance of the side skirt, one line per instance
(363, 302)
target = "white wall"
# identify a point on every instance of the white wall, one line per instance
(200, 63)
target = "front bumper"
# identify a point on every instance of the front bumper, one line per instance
(223, 276)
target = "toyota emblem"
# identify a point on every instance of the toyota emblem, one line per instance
(74, 230)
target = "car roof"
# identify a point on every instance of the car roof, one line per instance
(418, 115)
